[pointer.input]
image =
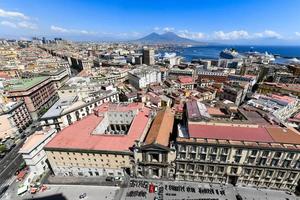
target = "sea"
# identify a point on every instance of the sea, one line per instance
(283, 53)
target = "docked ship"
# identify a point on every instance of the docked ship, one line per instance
(229, 54)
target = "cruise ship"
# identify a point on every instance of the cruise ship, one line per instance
(229, 54)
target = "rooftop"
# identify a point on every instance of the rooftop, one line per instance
(24, 84)
(247, 133)
(79, 135)
(185, 79)
(35, 140)
(161, 128)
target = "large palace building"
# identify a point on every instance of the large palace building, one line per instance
(101, 143)
(237, 152)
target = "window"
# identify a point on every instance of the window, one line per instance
(213, 157)
(225, 150)
(200, 168)
(251, 160)
(291, 155)
(214, 150)
(239, 151)
(280, 174)
(190, 167)
(269, 173)
(247, 171)
(258, 172)
(274, 162)
(211, 168)
(237, 159)
(286, 163)
(221, 169)
(234, 170)
(277, 154)
(253, 152)
(265, 153)
(203, 149)
(203, 157)
(261, 161)
(223, 158)
(297, 165)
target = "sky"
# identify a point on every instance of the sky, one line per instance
(225, 21)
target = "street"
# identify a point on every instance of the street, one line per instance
(10, 163)
(12, 160)
(69, 192)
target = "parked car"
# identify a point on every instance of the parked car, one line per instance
(82, 196)
(110, 179)
(118, 178)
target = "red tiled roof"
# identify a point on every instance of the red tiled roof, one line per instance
(185, 79)
(161, 128)
(78, 135)
(259, 134)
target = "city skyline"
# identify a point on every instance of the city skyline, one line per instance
(227, 22)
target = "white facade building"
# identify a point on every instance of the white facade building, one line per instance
(33, 153)
(143, 76)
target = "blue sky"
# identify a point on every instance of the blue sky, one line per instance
(227, 21)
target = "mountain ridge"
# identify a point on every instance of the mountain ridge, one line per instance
(167, 38)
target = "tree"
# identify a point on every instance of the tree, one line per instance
(2, 148)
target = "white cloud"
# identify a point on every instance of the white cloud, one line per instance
(233, 35)
(297, 34)
(191, 35)
(9, 24)
(27, 25)
(58, 29)
(12, 14)
(242, 34)
(156, 28)
(268, 34)
(74, 31)
(168, 29)
(20, 25)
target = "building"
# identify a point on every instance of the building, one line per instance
(33, 153)
(14, 118)
(101, 143)
(143, 76)
(70, 109)
(239, 154)
(59, 76)
(279, 88)
(235, 92)
(281, 107)
(148, 56)
(38, 94)
(154, 157)
(186, 82)
(218, 77)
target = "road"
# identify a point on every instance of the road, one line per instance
(12, 160)
(10, 163)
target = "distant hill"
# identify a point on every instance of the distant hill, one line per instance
(167, 38)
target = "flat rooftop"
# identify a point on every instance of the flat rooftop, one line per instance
(35, 140)
(248, 133)
(79, 136)
(24, 84)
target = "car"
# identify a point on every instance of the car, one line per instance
(3, 190)
(82, 196)
(110, 179)
(118, 178)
